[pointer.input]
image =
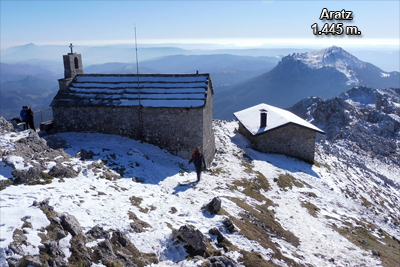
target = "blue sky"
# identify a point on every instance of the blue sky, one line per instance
(243, 23)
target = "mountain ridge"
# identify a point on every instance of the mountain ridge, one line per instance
(298, 76)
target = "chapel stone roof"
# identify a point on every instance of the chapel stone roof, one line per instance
(156, 90)
(276, 117)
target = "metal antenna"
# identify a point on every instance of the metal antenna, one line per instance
(138, 84)
(137, 67)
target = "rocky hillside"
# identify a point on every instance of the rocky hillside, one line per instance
(363, 119)
(87, 199)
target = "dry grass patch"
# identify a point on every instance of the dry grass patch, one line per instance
(365, 202)
(319, 165)
(252, 188)
(259, 224)
(288, 181)
(45, 179)
(136, 201)
(310, 194)
(218, 171)
(254, 259)
(312, 209)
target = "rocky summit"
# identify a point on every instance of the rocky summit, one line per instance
(363, 119)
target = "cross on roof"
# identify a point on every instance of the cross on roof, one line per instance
(71, 46)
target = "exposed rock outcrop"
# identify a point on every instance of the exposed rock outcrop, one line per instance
(364, 119)
(222, 242)
(219, 261)
(114, 248)
(83, 154)
(229, 225)
(214, 206)
(195, 240)
(62, 171)
(28, 150)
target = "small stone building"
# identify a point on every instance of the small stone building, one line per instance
(275, 130)
(172, 111)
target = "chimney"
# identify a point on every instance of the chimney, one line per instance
(263, 118)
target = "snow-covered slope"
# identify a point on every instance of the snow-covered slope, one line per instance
(286, 212)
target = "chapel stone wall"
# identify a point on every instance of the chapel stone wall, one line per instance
(109, 120)
(178, 130)
(208, 143)
(291, 140)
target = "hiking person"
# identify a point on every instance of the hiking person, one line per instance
(29, 117)
(23, 117)
(199, 162)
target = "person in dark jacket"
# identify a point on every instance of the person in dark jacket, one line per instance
(199, 162)
(23, 117)
(29, 117)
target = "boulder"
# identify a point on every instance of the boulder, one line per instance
(83, 154)
(139, 226)
(121, 238)
(222, 242)
(214, 206)
(376, 253)
(5, 183)
(71, 224)
(43, 204)
(50, 247)
(16, 248)
(215, 231)
(194, 238)
(106, 245)
(97, 232)
(61, 171)
(80, 253)
(229, 225)
(219, 261)
(32, 261)
(29, 175)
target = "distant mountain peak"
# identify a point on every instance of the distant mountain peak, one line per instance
(334, 57)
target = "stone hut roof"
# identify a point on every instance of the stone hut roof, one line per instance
(156, 90)
(276, 117)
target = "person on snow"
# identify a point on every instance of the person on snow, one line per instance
(29, 117)
(23, 117)
(199, 162)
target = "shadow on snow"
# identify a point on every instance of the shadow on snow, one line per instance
(278, 160)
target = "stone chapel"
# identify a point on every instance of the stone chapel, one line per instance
(172, 111)
(274, 130)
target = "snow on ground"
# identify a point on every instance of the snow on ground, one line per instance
(94, 201)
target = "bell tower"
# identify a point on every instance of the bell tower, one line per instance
(72, 64)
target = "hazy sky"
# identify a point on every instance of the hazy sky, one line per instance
(248, 23)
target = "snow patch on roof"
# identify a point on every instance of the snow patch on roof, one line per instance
(178, 78)
(161, 90)
(276, 117)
